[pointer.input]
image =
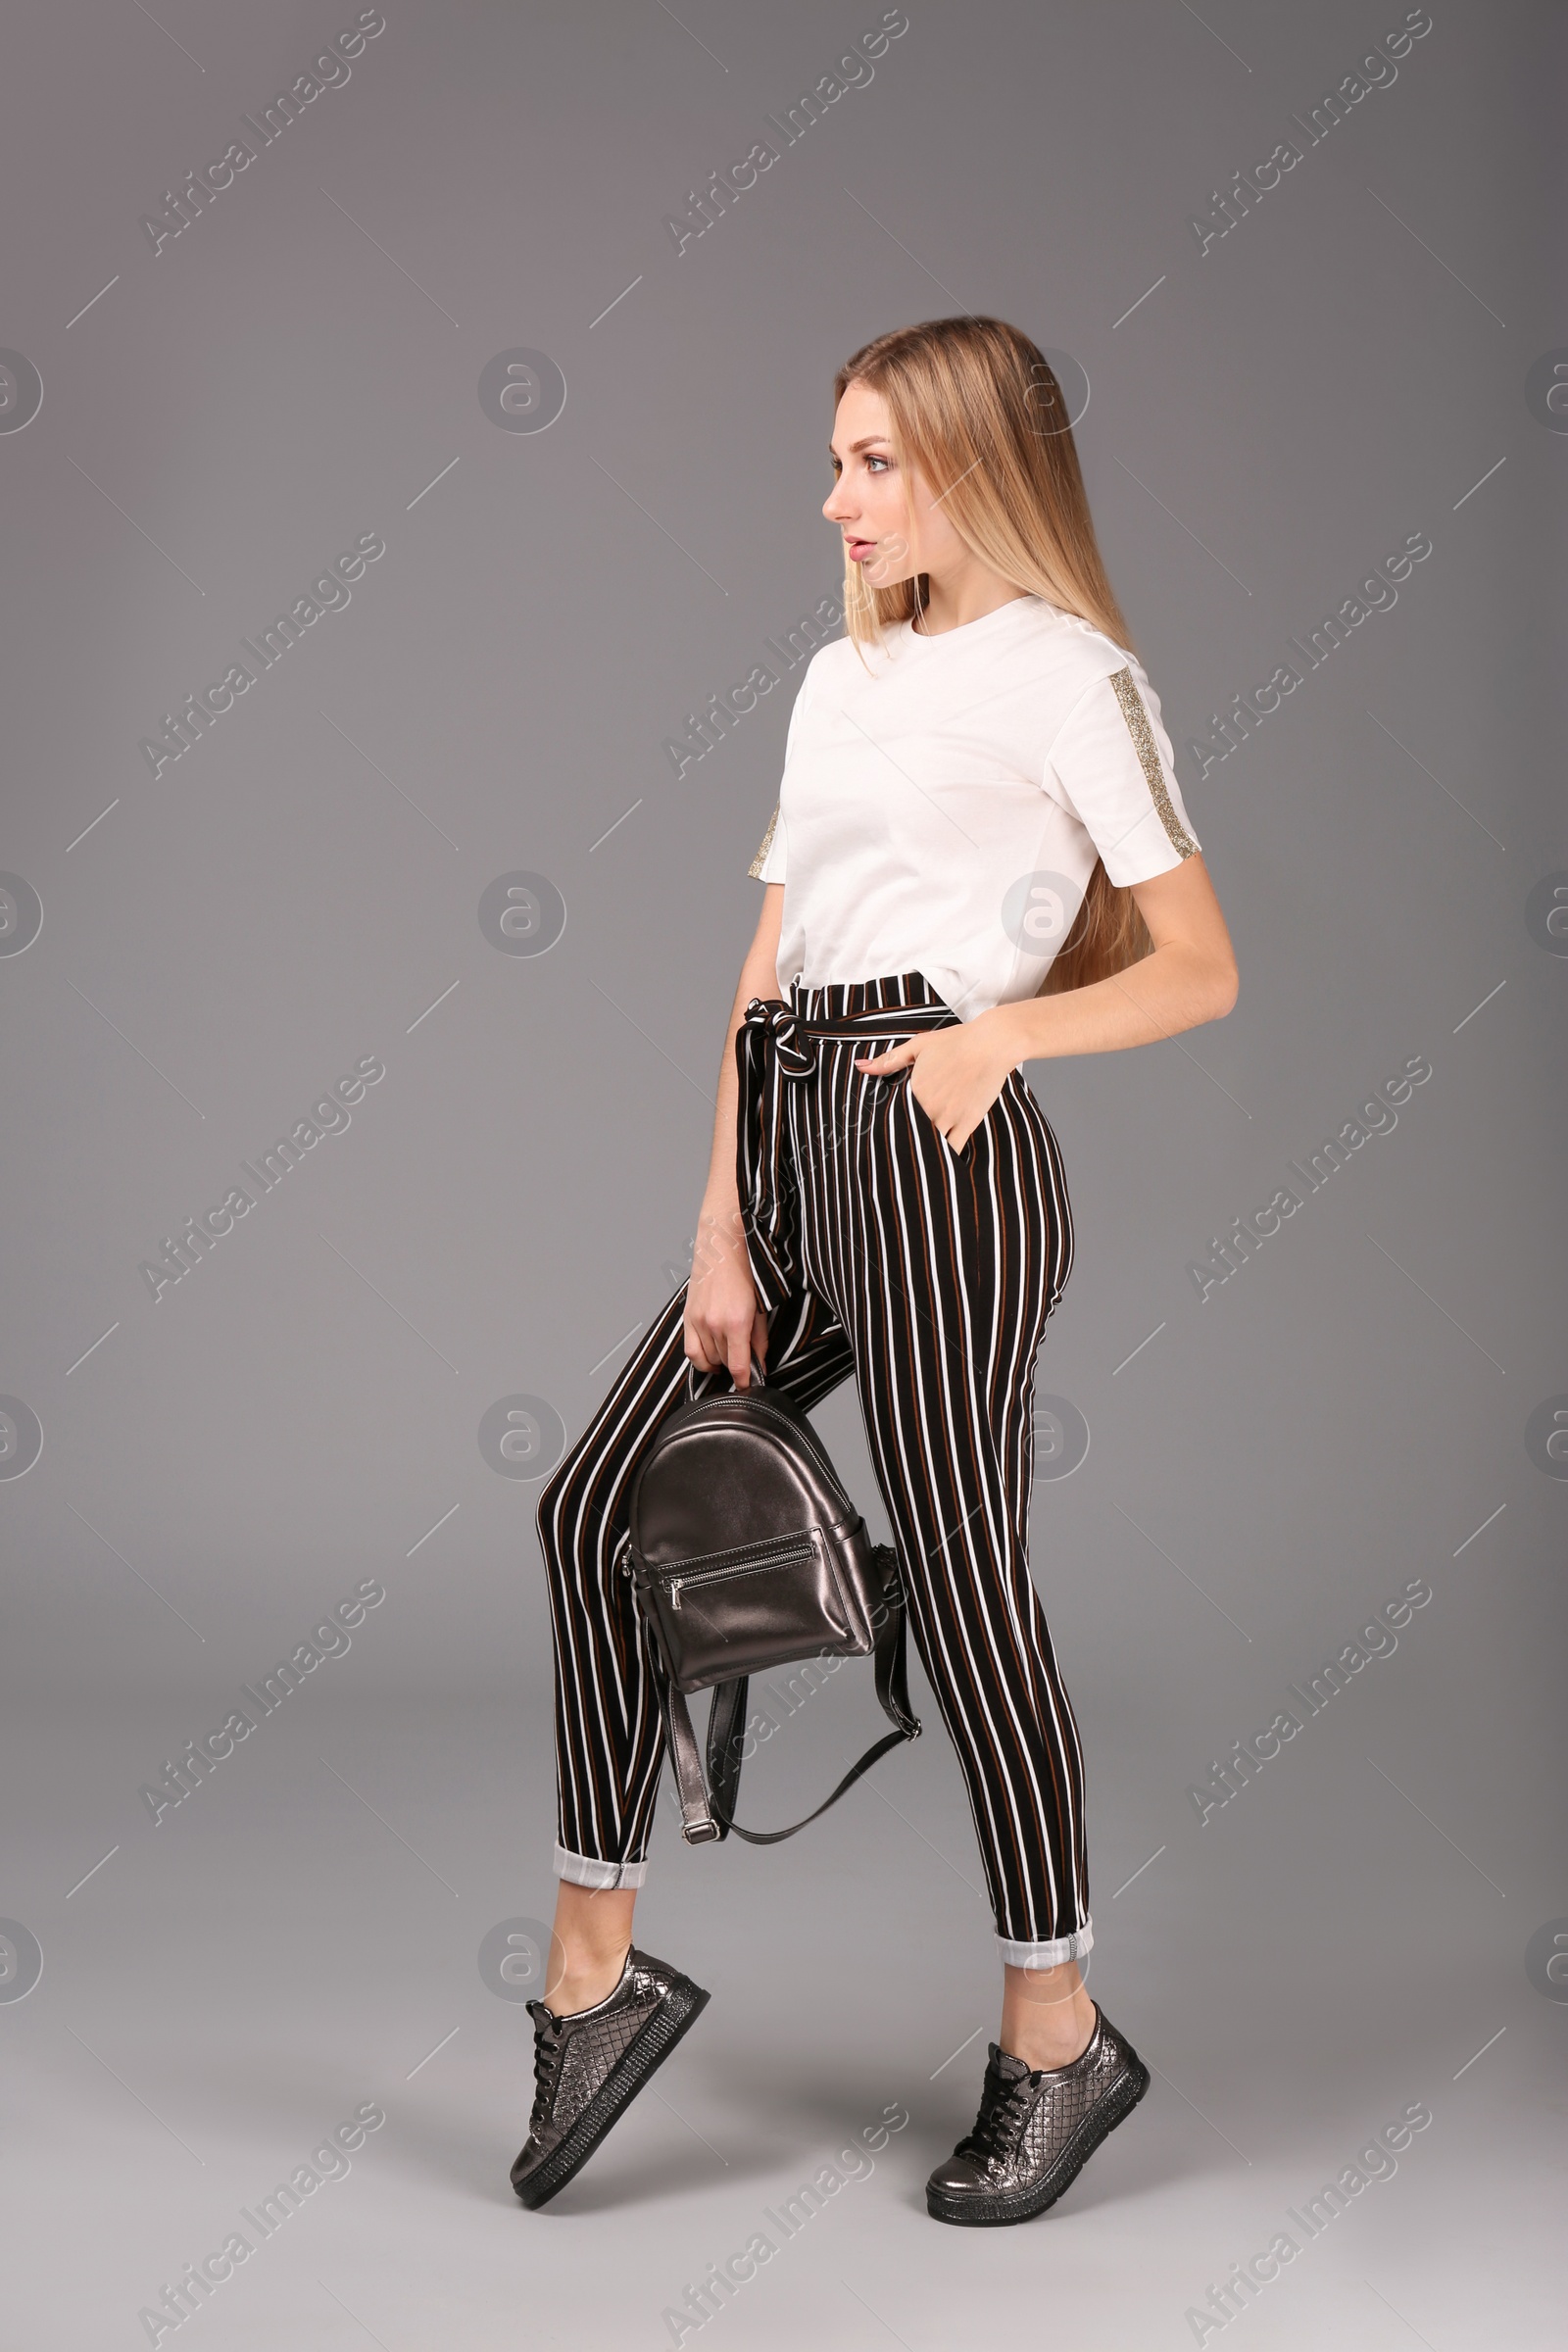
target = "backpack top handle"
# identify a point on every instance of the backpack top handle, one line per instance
(697, 1382)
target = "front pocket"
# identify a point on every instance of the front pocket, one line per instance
(717, 1568)
(762, 1606)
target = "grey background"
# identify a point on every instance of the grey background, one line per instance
(515, 1198)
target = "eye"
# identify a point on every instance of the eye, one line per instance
(876, 461)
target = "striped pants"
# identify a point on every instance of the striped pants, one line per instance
(928, 1275)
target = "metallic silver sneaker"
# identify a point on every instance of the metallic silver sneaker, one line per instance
(590, 2066)
(1036, 2131)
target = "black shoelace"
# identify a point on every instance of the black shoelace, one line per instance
(547, 2047)
(1004, 2106)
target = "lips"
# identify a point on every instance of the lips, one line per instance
(858, 549)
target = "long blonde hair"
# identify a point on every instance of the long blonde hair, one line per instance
(976, 406)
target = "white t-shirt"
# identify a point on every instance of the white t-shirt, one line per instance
(943, 802)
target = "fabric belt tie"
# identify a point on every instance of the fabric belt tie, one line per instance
(773, 1043)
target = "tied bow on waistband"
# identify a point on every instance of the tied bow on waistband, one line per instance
(771, 1044)
(774, 1043)
(770, 1019)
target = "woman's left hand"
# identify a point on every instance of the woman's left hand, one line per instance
(955, 1074)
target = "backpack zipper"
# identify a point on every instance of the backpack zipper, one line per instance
(799, 1547)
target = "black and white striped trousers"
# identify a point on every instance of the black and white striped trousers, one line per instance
(928, 1275)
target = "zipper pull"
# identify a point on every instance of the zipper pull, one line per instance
(675, 1591)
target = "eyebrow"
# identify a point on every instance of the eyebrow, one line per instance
(868, 442)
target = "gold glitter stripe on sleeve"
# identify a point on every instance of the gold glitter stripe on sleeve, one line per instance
(755, 869)
(1137, 726)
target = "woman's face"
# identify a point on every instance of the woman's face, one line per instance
(891, 523)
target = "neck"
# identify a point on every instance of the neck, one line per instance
(961, 596)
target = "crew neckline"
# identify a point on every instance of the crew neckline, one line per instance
(968, 629)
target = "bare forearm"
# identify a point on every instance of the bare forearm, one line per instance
(724, 1325)
(720, 1199)
(720, 1203)
(1176, 988)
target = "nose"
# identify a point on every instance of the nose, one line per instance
(836, 505)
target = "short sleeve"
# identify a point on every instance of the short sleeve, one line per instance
(768, 864)
(1113, 764)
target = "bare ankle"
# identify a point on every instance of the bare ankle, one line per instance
(1048, 2018)
(584, 1980)
(1054, 2038)
(588, 1947)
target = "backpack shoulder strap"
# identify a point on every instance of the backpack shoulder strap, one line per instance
(697, 1824)
(715, 1816)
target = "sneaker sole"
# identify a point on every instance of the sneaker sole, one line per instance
(641, 2058)
(987, 2209)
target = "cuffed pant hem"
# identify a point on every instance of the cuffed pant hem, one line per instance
(1048, 1955)
(583, 1870)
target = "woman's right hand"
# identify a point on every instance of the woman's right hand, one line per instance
(724, 1324)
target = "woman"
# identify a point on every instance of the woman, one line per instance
(980, 859)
